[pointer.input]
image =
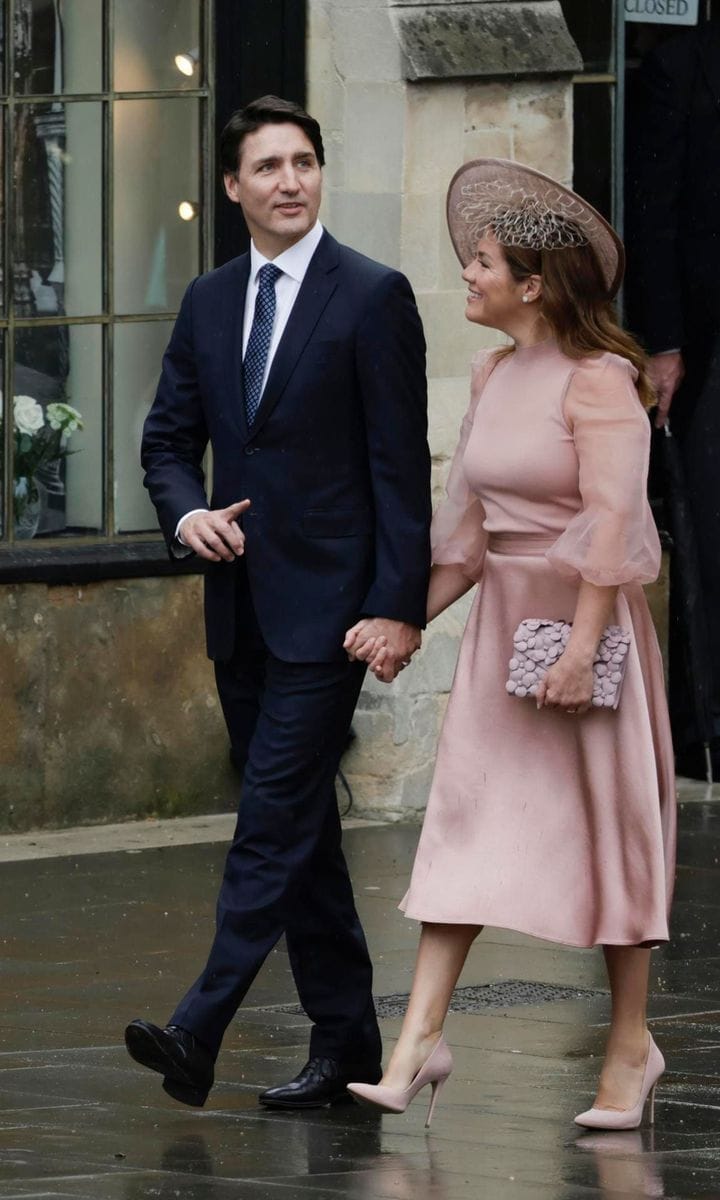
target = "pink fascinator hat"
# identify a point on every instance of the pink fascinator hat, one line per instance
(526, 208)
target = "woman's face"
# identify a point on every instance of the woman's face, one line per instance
(494, 297)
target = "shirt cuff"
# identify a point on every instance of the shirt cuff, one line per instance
(180, 548)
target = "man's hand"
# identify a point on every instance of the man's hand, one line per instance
(666, 373)
(215, 535)
(389, 644)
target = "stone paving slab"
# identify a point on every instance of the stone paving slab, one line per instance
(92, 938)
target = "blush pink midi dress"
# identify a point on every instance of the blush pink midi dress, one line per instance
(557, 825)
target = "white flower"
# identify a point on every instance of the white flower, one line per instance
(64, 417)
(28, 415)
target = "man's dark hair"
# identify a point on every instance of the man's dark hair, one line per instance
(268, 110)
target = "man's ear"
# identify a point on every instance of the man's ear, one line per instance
(232, 188)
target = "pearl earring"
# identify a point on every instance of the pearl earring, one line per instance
(526, 299)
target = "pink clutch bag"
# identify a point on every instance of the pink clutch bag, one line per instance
(537, 644)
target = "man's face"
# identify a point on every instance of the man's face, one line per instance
(278, 185)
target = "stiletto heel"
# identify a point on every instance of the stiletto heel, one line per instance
(629, 1118)
(434, 1071)
(437, 1087)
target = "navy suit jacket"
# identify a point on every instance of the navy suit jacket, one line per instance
(336, 464)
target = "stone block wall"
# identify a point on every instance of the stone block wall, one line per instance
(109, 708)
(395, 134)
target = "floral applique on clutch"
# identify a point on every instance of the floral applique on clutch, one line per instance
(538, 644)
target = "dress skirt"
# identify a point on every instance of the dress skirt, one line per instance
(549, 823)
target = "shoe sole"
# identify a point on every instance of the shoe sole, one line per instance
(184, 1093)
(343, 1098)
(144, 1049)
(363, 1103)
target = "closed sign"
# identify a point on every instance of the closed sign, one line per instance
(662, 12)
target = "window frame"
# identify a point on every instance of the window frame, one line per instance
(93, 555)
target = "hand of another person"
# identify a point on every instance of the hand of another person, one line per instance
(568, 684)
(666, 373)
(392, 643)
(216, 535)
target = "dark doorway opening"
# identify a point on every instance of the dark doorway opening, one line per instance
(259, 49)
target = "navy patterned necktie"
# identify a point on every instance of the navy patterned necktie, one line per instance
(256, 353)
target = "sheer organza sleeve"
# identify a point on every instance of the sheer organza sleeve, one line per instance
(612, 539)
(457, 534)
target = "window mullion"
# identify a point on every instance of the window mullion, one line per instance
(207, 127)
(109, 256)
(9, 224)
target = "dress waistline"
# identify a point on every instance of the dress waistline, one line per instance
(520, 543)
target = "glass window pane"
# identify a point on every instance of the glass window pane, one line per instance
(58, 474)
(591, 27)
(3, 417)
(157, 45)
(157, 169)
(57, 232)
(137, 359)
(58, 46)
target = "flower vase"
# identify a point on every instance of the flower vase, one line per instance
(27, 503)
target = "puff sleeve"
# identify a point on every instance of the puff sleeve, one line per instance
(612, 539)
(457, 534)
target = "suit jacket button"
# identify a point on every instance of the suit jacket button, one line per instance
(250, 449)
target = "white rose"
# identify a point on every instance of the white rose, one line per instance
(28, 415)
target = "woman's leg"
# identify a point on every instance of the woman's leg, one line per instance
(628, 969)
(440, 959)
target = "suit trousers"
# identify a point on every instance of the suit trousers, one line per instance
(285, 871)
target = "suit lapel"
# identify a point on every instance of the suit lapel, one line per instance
(234, 319)
(316, 289)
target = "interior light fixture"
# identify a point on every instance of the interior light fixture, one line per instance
(187, 210)
(187, 62)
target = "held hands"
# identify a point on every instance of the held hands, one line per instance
(386, 646)
(216, 535)
(666, 373)
(568, 684)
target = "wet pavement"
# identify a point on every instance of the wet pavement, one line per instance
(92, 939)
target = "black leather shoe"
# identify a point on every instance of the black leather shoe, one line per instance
(322, 1081)
(187, 1065)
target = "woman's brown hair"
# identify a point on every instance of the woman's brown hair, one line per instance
(576, 306)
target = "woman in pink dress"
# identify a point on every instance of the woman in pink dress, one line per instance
(547, 815)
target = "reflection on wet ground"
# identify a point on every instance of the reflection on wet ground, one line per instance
(92, 940)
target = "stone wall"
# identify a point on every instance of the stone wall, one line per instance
(109, 708)
(395, 132)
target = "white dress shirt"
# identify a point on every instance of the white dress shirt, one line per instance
(294, 264)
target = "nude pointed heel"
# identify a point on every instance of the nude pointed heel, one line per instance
(437, 1087)
(629, 1118)
(434, 1071)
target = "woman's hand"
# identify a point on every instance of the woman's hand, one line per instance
(568, 684)
(385, 645)
(359, 644)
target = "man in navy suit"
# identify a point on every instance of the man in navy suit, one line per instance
(302, 363)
